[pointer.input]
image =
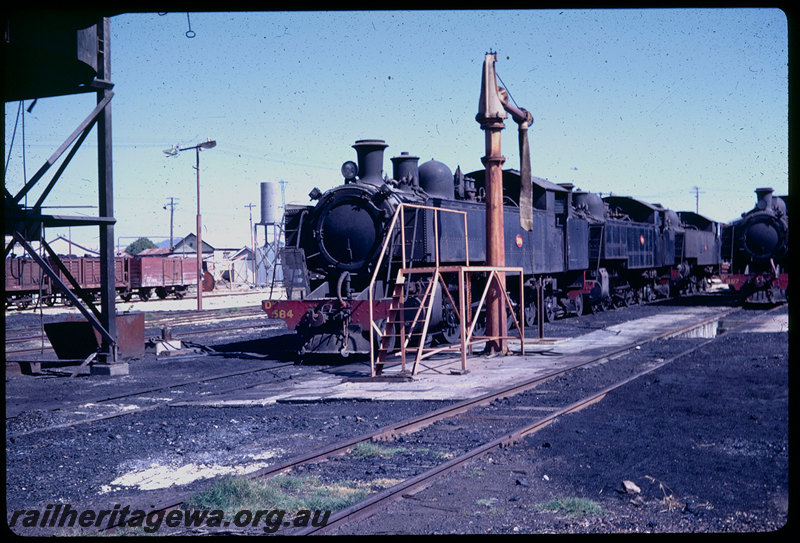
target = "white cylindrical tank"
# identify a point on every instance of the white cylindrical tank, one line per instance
(270, 203)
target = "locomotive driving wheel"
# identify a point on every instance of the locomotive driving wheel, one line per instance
(450, 332)
(627, 297)
(577, 304)
(530, 314)
(391, 335)
(549, 308)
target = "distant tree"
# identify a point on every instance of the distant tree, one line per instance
(140, 245)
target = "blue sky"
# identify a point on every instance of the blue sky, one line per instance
(646, 103)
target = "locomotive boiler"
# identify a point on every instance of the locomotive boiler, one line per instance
(755, 249)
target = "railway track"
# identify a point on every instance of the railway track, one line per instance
(109, 407)
(179, 322)
(509, 424)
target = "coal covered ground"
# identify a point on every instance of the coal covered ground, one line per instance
(704, 438)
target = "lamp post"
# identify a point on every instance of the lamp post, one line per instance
(210, 144)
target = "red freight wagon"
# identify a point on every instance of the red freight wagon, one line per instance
(165, 275)
(86, 270)
(25, 282)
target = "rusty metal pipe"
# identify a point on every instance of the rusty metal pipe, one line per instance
(490, 116)
(520, 115)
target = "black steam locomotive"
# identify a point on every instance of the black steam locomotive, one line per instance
(585, 252)
(755, 250)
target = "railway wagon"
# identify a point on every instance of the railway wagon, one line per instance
(27, 284)
(163, 275)
(86, 270)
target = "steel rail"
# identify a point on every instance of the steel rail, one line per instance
(372, 504)
(393, 430)
(22, 339)
(138, 393)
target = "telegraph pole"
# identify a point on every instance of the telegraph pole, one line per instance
(697, 192)
(250, 206)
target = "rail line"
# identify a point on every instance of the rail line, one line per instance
(393, 431)
(157, 323)
(142, 392)
(381, 499)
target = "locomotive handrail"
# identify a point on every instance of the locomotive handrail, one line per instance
(468, 321)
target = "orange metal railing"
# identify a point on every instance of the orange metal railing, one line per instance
(462, 308)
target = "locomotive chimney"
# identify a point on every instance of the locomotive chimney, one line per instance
(405, 167)
(764, 196)
(370, 161)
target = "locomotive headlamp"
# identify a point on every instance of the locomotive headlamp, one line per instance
(349, 170)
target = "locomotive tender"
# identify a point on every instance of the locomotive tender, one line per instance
(583, 250)
(755, 250)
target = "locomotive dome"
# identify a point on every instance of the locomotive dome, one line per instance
(436, 179)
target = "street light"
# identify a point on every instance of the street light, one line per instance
(209, 144)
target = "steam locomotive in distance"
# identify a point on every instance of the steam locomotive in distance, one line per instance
(755, 250)
(585, 251)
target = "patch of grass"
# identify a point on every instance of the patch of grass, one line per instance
(285, 492)
(571, 507)
(492, 504)
(370, 450)
(384, 482)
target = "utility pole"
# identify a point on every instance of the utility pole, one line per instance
(171, 205)
(250, 206)
(697, 192)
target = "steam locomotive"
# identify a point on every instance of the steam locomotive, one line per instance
(584, 251)
(755, 250)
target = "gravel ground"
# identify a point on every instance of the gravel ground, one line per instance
(705, 439)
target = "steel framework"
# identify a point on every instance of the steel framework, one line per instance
(467, 320)
(32, 46)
